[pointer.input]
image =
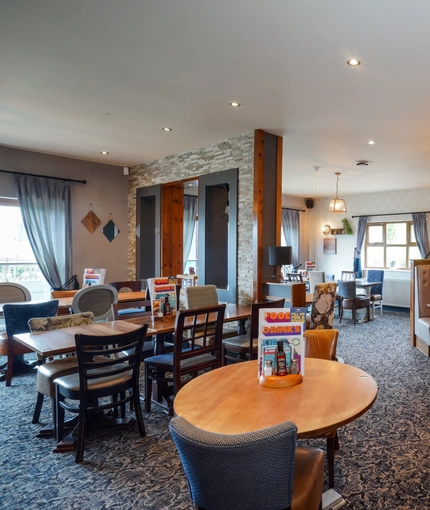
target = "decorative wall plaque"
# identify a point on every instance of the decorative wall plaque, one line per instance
(91, 222)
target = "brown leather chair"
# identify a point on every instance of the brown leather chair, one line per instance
(322, 344)
(246, 346)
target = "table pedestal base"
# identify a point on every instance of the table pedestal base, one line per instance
(331, 500)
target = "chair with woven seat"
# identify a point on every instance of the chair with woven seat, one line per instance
(322, 311)
(97, 299)
(47, 372)
(322, 344)
(260, 470)
(350, 300)
(16, 318)
(245, 346)
(13, 293)
(376, 291)
(101, 378)
(128, 286)
(200, 330)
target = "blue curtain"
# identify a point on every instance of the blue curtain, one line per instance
(361, 232)
(46, 214)
(290, 228)
(421, 233)
(190, 211)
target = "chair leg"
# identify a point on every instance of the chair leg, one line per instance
(330, 461)
(138, 411)
(341, 314)
(38, 408)
(354, 316)
(148, 389)
(59, 415)
(81, 433)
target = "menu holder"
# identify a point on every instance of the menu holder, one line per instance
(285, 381)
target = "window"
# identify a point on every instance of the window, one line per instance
(390, 245)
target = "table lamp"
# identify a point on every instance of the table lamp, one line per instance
(279, 256)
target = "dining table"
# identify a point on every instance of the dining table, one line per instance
(123, 297)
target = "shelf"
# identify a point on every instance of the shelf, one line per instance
(337, 231)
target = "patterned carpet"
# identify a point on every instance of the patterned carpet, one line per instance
(382, 462)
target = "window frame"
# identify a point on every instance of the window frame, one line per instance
(408, 245)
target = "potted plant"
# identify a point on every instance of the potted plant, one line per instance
(346, 227)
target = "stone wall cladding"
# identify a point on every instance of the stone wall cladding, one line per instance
(235, 152)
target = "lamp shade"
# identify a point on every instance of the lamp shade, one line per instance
(337, 205)
(279, 255)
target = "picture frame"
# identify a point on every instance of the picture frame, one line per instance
(329, 246)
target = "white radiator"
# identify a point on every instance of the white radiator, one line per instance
(396, 292)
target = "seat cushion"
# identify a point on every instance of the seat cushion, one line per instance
(308, 479)
(165, 361)
(239, 342)
(360, 302)
(70, 383)
(48, 372)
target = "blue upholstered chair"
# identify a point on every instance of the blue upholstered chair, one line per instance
(350, 301)
(16, 321)
(259, 470)
(376, 291)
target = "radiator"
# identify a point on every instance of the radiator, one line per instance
(396, 293)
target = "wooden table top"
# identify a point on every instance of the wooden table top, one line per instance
(230, 400)
(122, 298)
(62, 341)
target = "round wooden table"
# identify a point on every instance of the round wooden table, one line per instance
(230, 400)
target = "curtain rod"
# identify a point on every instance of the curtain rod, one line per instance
(294, 209)
(390, 214)
(45, 176)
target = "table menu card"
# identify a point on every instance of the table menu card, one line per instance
(163, 296)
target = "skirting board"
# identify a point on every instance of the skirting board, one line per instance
(331, 500)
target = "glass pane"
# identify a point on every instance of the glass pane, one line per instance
(375, 234)
(15, 245)
(375, 256)
(414, 253)
(396, 257)
(396, 233)
(413, 239)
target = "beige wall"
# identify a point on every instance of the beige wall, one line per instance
(236, 152)
(106, 189)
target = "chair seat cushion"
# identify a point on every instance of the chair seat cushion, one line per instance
(48, 372)
(375, 297)
(70, 383)
(360, 302)
(239, 342)
(17, 347)
(165, 361)
(308, 478)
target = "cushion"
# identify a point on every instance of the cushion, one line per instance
(59, 322)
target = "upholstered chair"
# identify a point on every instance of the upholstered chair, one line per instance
(376, 291)
(97, 299)
(350, 300)
(322, 312)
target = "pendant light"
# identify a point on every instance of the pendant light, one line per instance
(337, 205)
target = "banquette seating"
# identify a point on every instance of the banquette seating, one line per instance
(421, 308)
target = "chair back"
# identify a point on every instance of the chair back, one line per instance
(97, 299)
(347, 289)
(13, 293)
(60, 321)
(17, 316)
(255, 316)
(295, 277)
(322, 312)
(131, 309)
(376, 275)
(314, 278)
(130, 286)
(321, 343)
(347, 276)
(201, 328)
(92, 366)
(200, 296)
(250, 471)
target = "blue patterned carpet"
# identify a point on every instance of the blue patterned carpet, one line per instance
(382, 463)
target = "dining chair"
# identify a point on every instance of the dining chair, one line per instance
(197, 346)
(131, 309)
(295, 277)
(322, 344)
(102, 382)
(347, 276)
(376, 291)
(128, 286)
(322, 310)
(314, 278)
(245, 346)
(259, 470)
(97, 299)
(350, 300)
(13, 293)
(47, 372)
(16, 318)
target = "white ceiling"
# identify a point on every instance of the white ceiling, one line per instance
(81, 76)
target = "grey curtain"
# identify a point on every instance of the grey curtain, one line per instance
(421, 234)
(361, 232)
(46, 214)
(190, 211)
(290, 227)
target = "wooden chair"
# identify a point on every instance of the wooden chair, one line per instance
(256, 470)
(58, 294)
(200, 329)
(131, 310)
(245, 346)
(350, 300)
(322, 310)
(47, 372)
(100, 377)
(130, 286)
(97, 299)
(295, 277)
(16, 321)
(347, 276)
(13, 293)
(322, 344)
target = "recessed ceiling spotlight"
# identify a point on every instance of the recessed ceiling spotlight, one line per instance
(316, 168)
(317, 189)
(167, 129)
(104, 153)
(370, 142)
(234, 104)
(353, 62)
